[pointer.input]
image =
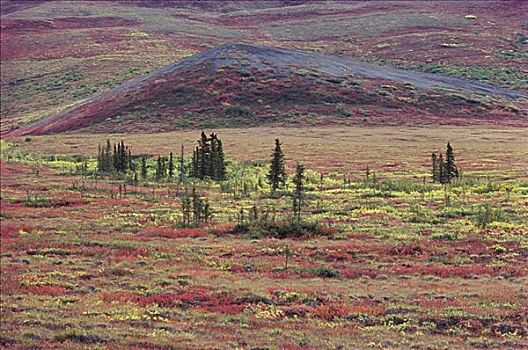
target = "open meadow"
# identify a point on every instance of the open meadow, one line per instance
(91, 261)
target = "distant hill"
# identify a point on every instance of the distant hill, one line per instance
(246, 85)
(57, 54)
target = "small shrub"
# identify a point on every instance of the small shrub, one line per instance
(324, 272)
(237, 111)
(283, 229)
(78, 336)
(172, 233)
(486, 215)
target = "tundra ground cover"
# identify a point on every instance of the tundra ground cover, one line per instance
(400, 265)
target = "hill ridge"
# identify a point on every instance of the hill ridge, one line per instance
(248, 59)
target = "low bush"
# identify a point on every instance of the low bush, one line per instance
(324, 272)
(284, 229)
(78, 336)
(486, 215)
(167, 232)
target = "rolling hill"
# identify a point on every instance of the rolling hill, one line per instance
(247, 85)
(57, 54)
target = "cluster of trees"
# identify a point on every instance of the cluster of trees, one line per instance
(165, 167)
(195, 210)
(114, 159)
(277, 178)
(208, 161)
(208, 158)
(444, 170)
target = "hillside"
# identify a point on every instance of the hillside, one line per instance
(246, 85)
(57, 54)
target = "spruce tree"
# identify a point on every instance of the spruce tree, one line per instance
(451, 169)
(298, 181)
(221, 167)
(131, 164)
(181, 165)
(108, 156)
(158, 169)
(99, 159)
(195, 171)
(277, 173)
(171, 166)
(441, 170)
(434, 160)
(115, 157)
(143, 168)
(163, 169)
(204, 156)
(122, 157)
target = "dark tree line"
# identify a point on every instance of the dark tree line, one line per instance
(114, 159)
(208, 158)
(444, 170)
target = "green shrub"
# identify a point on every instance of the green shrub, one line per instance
(486, 215)
(237, 111)
(283, 229)
(78, 336)
(324, 272)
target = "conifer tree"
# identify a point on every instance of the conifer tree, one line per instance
(451, 169)
(186, 210)
(115, 158)
(122, 157)
(195, 172)
(108, 157)
(99, 159)
(163, 169)
(434, 160)
(171, 166)
(143, 167)
(298, 181)
(220, 167)
(203, 153)
(208, 158)
(441, 170)
(213, 161)
(131, 164)
(181, 165)
(158, 169)
(277, 173)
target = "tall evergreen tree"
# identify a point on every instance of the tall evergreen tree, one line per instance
(298, 181)
(171, 166)
(115, 157)
(99, 159)
(159, 169)
(441, 170)
(434, 160)
(195, 171)
(220, 167)
(143, 167)
(204, 156)
(182, 169)
(451, 169)
(277, 173)
(131, 164)
(108, 157)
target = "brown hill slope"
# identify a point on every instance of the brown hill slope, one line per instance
(240, 84)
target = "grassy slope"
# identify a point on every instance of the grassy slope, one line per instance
(56, 54)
